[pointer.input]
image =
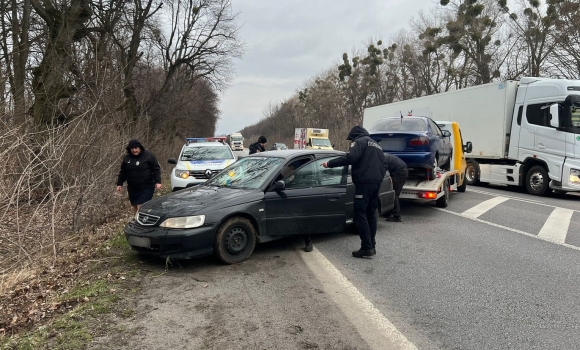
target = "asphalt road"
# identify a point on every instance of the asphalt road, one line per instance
(497, 269)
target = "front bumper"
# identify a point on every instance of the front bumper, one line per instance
(179, 183)
(170, 243)
(567, 184)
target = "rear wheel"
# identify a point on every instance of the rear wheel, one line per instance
(431, 173)
(235, 240)
(537, 181)
(447, 165)
(472, 173)
(443, 201)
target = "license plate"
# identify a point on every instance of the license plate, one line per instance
(143, 242)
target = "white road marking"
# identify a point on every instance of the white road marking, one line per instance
(509, 229)
(371, 324)
(532, 201)
(483, 207)
(556, 227)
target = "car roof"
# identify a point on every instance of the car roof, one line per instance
(291, 153)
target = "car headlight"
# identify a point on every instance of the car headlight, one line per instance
(184, 174)
(574, 177)
(184, 222)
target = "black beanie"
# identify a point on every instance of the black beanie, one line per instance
(262, 139)
(134, 143)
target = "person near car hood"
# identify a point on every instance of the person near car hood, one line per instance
(141, 170)
(257, 147)
(368, 170)
(399, 172)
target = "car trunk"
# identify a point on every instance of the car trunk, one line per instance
(401, 142)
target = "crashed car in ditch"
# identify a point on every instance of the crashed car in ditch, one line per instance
(259, 198)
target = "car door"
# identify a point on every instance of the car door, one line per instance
(444, 147)
(312, 202)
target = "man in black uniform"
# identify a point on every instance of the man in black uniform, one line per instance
(368, 170)
(257, 147)
(399, 172)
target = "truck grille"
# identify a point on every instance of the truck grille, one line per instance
(147, 219)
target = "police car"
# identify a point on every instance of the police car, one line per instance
(198, 161)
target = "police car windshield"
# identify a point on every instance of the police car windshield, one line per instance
(247, 173)
(206, 153)
(400, 124)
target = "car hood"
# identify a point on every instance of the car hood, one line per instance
(199, 200)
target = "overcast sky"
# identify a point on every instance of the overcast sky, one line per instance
(290, 41)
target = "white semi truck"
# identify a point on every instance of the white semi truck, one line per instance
(524, 133)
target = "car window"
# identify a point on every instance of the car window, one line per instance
(206, 153)
(313, 175)
(400, 124)
(250, 173)
(435, 128)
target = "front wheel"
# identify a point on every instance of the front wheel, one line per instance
(537, 180)
(235, 240)
(463, 186)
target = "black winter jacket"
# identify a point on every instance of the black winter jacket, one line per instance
(365, 156)
(394, 164)
(255, 147)
(140, 172)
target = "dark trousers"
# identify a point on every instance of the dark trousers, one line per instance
(398, 183)
(366, 202)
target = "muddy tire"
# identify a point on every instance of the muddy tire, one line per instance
(235, 240)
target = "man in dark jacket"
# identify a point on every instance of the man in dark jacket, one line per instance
(142, 172)
(368, 170)
(399, 172)
(258, 146)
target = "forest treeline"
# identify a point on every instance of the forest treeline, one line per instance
(459, 43)
(78, 80)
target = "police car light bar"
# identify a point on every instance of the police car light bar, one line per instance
(189, 140)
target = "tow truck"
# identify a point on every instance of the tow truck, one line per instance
(418, 188)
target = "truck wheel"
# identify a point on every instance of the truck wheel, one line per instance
(463, 186)
(235, 240)
(443, 201)
(537, 181)
(472, 173)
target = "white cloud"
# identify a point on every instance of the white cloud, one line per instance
(289, 42)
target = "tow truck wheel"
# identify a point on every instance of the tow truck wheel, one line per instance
(443, 201)
(463, 186)
(235, 240)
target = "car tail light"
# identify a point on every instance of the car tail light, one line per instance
(427, 195)
(419, 141)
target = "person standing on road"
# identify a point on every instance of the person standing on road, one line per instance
(257, 147)
(368, 170)
(399, 172)
(142, 172)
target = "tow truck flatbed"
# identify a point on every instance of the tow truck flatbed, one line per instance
(438, 189)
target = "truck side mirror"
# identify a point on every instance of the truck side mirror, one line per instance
(555, 113)
(468, 147)
(171, 161)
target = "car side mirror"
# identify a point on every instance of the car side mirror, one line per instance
(446, 133)
(171, 161)
(279, 186)
(468, 147)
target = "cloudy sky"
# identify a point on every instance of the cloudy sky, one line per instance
(290, 41)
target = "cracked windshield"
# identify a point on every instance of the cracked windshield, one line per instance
(206, 153)
(247, 173)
